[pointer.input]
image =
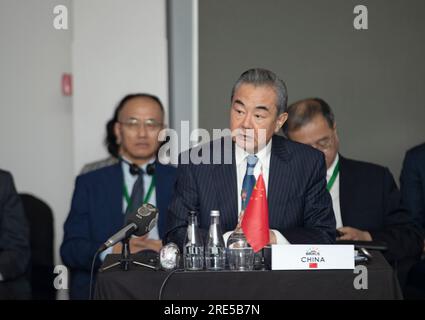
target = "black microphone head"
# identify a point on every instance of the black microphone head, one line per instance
(146, 217)
(150, 169)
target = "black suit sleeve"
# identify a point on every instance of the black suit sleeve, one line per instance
(319, 219)
(411, 187)
(14, 231)
(401, 235)
(78, 248)
(185, 199)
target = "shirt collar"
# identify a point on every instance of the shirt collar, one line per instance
(262, 155)
(331, 169)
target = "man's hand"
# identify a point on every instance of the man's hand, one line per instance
(349, 233)
(140, 243)
(273, 239)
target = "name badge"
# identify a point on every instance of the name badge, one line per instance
(312, 257)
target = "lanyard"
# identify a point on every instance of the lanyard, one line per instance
(147, 196)
(333, 177)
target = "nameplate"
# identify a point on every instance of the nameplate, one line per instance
(312, 257)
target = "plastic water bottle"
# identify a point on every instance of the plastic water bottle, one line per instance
(215, 250)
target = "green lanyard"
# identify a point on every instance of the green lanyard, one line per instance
(333, 177)
(147, 196)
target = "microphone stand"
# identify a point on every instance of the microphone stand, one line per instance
(126, 259)
(125, 255)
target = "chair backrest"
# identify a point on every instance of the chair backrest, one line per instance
(40, 219)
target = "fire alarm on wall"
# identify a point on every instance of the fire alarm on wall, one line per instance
(67, 84)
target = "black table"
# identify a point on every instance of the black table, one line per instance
(142, 283)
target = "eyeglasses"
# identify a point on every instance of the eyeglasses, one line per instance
(135, 124)
(324, 144)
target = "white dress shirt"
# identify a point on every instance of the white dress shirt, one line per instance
(335, 193)
(262, 166)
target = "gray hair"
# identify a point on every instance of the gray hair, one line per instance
(263, 77)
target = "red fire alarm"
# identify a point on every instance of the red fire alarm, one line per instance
(67, 84)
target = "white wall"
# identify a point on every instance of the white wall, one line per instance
(35, 119)
(119, 47)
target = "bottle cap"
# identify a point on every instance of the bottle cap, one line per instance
(215, 213)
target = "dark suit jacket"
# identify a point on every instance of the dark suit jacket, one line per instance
(370, 200)
(96, 214)
(14, 242)
(412, 184)
(299, 205)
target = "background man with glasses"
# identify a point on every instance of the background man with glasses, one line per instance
(103, 197)
(365, 197)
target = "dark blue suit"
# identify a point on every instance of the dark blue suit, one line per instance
(299, 205)
(412, 184)
(96, 214)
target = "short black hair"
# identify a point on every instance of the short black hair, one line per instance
(111, 139)
(302, 112)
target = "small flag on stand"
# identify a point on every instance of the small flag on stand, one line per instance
(255, 221)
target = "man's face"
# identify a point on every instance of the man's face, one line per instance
(137, 129)
(253, 116)
(319, 135)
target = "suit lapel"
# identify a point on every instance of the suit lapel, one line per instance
(115, 199)
(226, 185)
(344, 193)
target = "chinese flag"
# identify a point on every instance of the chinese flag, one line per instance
(255, 221)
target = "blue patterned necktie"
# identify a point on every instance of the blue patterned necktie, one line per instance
(248, 181)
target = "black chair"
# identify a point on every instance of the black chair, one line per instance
(40, 218)
(416, 282)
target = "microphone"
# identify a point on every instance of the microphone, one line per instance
(138, 223)
(169, 256)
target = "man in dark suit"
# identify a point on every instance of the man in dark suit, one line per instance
(102, 197)
(14, 242)
(412, 186)
(412, 183)
(366, 200)
(300, 208)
